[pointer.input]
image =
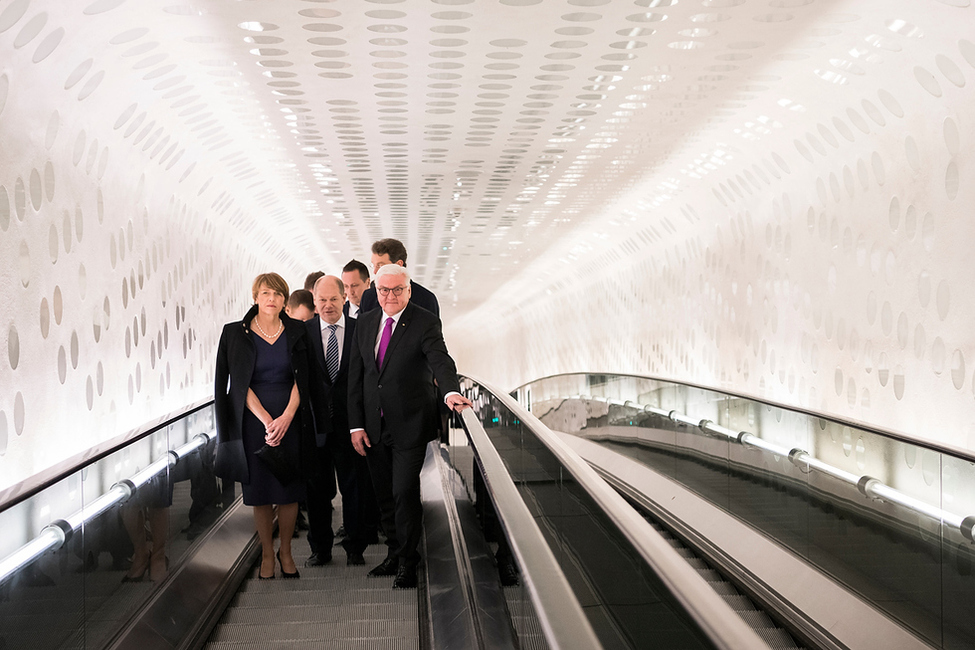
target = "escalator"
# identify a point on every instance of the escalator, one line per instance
(628, 531)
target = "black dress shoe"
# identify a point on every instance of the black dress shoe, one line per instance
(405, 577)
(386, 568)
(318, 559)
(354, 559)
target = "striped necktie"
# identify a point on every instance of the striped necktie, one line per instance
(332, 353)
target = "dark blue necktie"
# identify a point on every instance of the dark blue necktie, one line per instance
(332, 353)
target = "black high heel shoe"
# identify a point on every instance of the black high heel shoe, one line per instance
(137, 575)
(285, 574)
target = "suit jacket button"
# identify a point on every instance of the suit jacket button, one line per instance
(380, 385)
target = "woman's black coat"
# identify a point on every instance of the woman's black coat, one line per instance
(236, 356)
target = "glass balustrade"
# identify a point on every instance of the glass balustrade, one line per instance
(79, 557)
(889, 519)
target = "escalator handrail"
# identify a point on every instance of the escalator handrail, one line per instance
(54, 535)
(562, 619)
(715, 618)
(869, 487)
(20, 492)
(900, 436)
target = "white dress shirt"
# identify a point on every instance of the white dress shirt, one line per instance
(339, 334)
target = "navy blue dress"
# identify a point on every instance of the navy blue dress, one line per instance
(272, 382)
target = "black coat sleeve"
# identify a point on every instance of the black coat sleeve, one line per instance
(356, 405)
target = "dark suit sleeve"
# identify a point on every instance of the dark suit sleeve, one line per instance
(434, 303)
(357, 411)
(222, 406)
(319, 395)
(369, 301)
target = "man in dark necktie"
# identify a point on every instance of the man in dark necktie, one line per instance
(355, 277)
(393, 409)
(332, 335)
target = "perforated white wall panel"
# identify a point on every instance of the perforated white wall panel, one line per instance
(810, 242)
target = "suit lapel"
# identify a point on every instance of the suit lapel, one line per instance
(368, 324)
(316, 341)
(347, 344)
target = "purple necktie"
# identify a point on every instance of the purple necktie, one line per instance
(384, 343)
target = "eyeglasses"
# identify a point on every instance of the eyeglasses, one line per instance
(385, 291)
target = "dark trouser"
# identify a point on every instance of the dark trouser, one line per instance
(360, 514)
(321, 490)
(396, 479)
(488, 516)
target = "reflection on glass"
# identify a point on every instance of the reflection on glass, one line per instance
(900, 539)
(81, 594)
(625, 602)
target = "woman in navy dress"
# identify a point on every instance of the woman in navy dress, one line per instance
(263, 395)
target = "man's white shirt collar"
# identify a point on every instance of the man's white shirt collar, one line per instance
(324, 323)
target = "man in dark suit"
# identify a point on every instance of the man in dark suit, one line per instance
(355, 277)
(394, 412)
(392, 251)
(332, 335)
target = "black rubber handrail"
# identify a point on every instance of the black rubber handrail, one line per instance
(715, 618)
(560, 615)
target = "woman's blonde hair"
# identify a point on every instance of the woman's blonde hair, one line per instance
(272, 281)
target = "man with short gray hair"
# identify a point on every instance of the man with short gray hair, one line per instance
(393, 410)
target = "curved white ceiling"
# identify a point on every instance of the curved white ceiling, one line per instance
(483, 134)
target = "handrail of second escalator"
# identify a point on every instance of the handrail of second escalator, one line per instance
(714, 617)
(561, 616)
(54, 535)
(19, 492)
(868, 486)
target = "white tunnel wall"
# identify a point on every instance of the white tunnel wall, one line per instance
(817, 254)
(822, 260)
(120, 259)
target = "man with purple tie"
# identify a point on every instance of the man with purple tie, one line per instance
(393, 412)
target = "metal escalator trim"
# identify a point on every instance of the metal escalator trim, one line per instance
(452, 621)
(824, 612)
(191, 599)
(711, 614)
(563, 621)
(466, 611)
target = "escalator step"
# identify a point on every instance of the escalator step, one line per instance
(299, 597)
(397, 633)
(776, 638)
(332, 644)
(756, 618)
(739, 602)
(724, 588)
(259, 615)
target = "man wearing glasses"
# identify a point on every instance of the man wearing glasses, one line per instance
(397, 353)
